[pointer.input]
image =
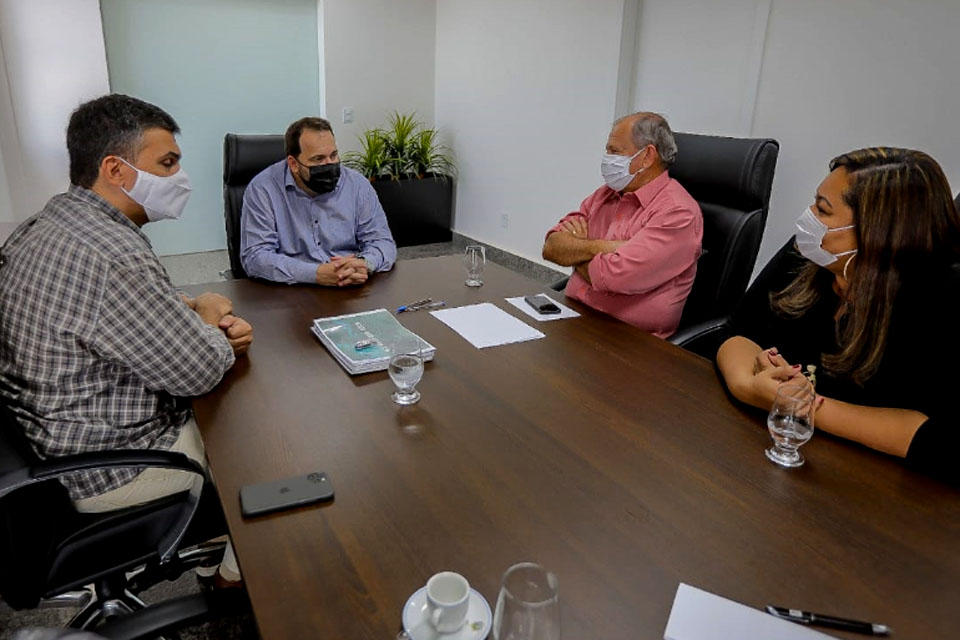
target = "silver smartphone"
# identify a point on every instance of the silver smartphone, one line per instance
(267, 497)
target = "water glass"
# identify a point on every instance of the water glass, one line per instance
(406, 369)
(528, 606)
(790, 423)
(474, 259)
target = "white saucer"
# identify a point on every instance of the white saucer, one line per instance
(418, 627)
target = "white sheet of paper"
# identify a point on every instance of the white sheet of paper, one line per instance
(701, 615)
(565, 311)
(486, 325)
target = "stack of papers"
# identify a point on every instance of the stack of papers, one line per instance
(486, 325)
(701, 615)
(372, 332)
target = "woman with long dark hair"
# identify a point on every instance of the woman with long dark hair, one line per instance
(868, 292)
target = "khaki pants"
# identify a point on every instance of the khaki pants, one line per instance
(155, 483)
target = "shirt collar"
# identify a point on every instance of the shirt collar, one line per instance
(288, 180)
(645, 194)
(97, 202)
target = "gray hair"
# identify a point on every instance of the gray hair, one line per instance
(652, 128)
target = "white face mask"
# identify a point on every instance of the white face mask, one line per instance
(163, 198)
(810, 232)
(615, 170)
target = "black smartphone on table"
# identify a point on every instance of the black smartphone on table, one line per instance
(277, 495)
(542, 304)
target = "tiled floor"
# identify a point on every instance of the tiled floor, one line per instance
(197, 268)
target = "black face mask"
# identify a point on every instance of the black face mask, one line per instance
(323, 177)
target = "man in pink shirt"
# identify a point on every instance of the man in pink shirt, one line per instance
(635, 241)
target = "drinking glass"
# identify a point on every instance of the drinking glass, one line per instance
(474, 259)
(790, 423)
(406, 369)
(528, 606)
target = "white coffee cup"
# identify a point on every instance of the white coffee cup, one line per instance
(448, 598)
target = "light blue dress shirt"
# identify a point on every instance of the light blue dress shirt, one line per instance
(285, 233)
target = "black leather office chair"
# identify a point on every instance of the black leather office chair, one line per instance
(731, 179)
(48, 549)
(244, 156)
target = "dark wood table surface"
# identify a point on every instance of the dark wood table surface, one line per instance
(610, 457)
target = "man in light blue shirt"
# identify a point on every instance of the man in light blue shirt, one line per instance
(307, 219)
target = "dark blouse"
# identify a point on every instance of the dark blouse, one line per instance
(920, 366)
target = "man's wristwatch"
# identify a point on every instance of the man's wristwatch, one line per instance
(369, 264)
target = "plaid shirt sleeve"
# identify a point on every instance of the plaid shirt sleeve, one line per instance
(144, 325)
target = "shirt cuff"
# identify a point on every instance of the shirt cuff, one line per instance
(304, 272)
(372, 262)
(222, 342)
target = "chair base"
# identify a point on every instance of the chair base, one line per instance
(117, 596)
(168, 617)
(68, 600)
(209, 554)
(106, 605)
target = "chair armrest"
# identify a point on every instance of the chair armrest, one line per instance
(561, 284)
(698, 330)
(157, 458)
(53, 467)
(702, 338)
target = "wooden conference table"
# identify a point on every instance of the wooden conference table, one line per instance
(610, 457)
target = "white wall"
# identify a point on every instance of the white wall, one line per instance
(379, 57)
(829, 77)
(526, 92)
(52, 59)
(217, 66)
(709, 83)
(8, 141)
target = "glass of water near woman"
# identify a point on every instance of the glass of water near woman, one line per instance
(406, 368)
(791, 423)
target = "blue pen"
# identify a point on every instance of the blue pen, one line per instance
(422, 306)
(413, 306)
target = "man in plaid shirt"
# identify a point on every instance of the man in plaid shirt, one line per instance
(98, 351)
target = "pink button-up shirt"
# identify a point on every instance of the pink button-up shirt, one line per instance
(647, 280)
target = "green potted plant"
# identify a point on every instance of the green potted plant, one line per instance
(412, 173)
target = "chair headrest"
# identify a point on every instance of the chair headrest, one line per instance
(244, 156)
(733, 172)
